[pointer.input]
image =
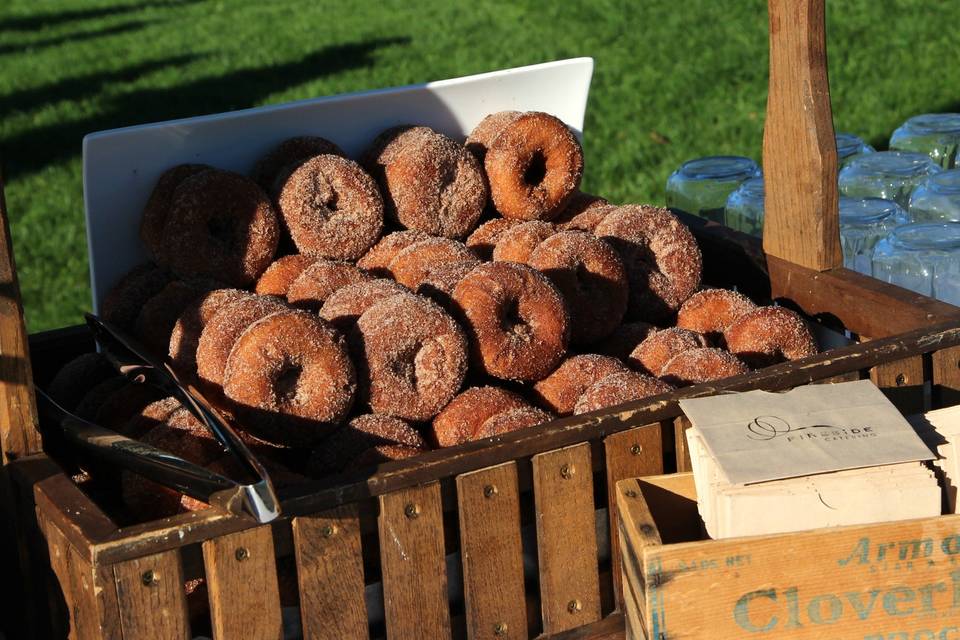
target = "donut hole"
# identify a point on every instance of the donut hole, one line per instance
(221, 228)
(514, 323)
(288, 381)
(536, 169)
(403, 366)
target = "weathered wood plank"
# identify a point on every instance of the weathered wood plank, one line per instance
(96, 613)
(945, 373)
(680, 426)
(151, 597)
(902, 381)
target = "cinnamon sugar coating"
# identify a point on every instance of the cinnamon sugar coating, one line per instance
(411, 265)
(346, 304)
(579, 202)
(465, 414)
(619, 388)
(710, 311)
(150, 416)
(701, 365)
(186, 331)
(123, 302)
(512, 420)
(281, 273)
(222, 331)
(441, 279)
(361, 433)
(652, 354)
(272, 169)
(624, 339)
(560, 390)
(768, 335)
(487, 131)
(157, 209)
(588, 219)
(517, 243)
(322, 278)
(377, 260)
(484, 238)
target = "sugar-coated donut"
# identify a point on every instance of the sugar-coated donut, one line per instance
(120, 406)
(588, 219)
(291, 378)
(592, 279)
(157, 209)
(377, 260)
(94, 398)
(659, 348)
(484, 238)
(768, 335)
(346, 304)
(619, 388)
(77, 377)
(710, 311)
(517, 243)
(221, 226)
(517, 320)
(534, 166)
(487, 131)
(579, 202)
(361, 433)
(159, 314)
(430, 183)
(411, 265)
(560, 390)
(512, 420)
(384, 453)
(271, 170)
(661, 256)
(701, 365)
(411, 356)
(441, 279)
(331, 208)
(281, 273)
(624, 339)
(123, 302)
(186, 331)
(222, 331)
(322, 278)
(465, 414)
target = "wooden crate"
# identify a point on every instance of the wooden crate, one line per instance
(876, 582)
(508, 538)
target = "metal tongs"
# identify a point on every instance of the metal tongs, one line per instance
(257, 498)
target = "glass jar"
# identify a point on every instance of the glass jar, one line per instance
(890, 175)
(935, 134)
(701, 187)
(923, 257)
(848, 146)
(744, 210)
(937, 199)
(863, 223)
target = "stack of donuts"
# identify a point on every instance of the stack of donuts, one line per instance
(345, 313)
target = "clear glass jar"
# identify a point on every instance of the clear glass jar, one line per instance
(923, 257)
(937, 199)
(848, 146)
(890, 175)
(935, 134)
(863, 223)
(744, 210)
(701, 187)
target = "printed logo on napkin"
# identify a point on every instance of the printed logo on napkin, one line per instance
(758, 436)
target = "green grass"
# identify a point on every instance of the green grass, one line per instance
(673, 80)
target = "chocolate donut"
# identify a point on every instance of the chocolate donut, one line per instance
(361, 433)
(701, 365)
(517, 320)
(159, 314)
(430, 183)
(710, 311)
(659, 348)
(77, 377)
(768, 335)
(377, 260)
(619, 388)
(272, 169)
(512, 420)
(517, 243)
(560, 390)
(662, 259)
(459, 421)
(624, 339)
(412, 357)
(221, 226)
(346, 304)
(123, 302)
(157, 209)
(331, 208)
(591, 277)
(534, 166)
(410, 266)
(321, 279)
(290, 378)
(484, 238)
(281, 273)
(487, 131)
(186, 331)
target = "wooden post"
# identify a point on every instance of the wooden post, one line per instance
(801, 222)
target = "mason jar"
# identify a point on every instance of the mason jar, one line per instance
(890, 175)
(923, 257)
(863, 223)
(701, 187)
(848, 146)
(937, 198)
(935, 134)
(744, 209)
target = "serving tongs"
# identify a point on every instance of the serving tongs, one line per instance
(257, 498)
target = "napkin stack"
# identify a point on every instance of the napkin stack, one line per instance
(940, 430)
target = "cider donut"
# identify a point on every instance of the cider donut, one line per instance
(701, 365)
(377, 260)
(120, 406)
(624, 339)
(534, 166)
(512, 420)
(560, 390)
(272, 169)
(290, 378)
(77, 377)
(361, 433)
(150, 416)
(579, 203)
(222, 226)
(591, 277)
(410, 266)
(186, 331)
(768, 335)
(459, 421)
(619, 388)
(331, 208)
(159, 314)
(484, 238)
(588, 219)
(710, 311)
(322, 278)
(487, 131)
(123, 302)
(157, 209)
(281, 273)
(346, 304)
(517, 320)
(412, 357)
(94, 398)
(441, 279)
(652, 354)
(517, 243)
(662, 259)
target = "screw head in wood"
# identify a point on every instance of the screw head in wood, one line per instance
(567, 471)
(490, 490)
(901, 379)
(149, 578)
(411, 510)
(636, 449)
(574, 606)
(500, 629)
(328, 531)
(630, 493)
(241, 554)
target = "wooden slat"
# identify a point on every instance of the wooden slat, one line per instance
(566, 538)
(680, 426)
(946, 377)
(59, 550)
(330, 575)
(630, 454)
(902, 382)
(151, 597)
(242, 582)
(96, 613)
(843, 377)
(412, 561)
(489, 505)
(610, 628)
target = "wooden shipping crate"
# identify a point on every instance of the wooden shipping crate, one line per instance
(512, 537)
(875, 582)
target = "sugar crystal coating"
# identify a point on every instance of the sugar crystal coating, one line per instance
(619, 388)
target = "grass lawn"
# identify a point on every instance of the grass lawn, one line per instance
(673, 81)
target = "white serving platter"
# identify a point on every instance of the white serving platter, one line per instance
(121, 166)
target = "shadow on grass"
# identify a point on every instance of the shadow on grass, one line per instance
(21, 47)
(55, 18)
(35, 148)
